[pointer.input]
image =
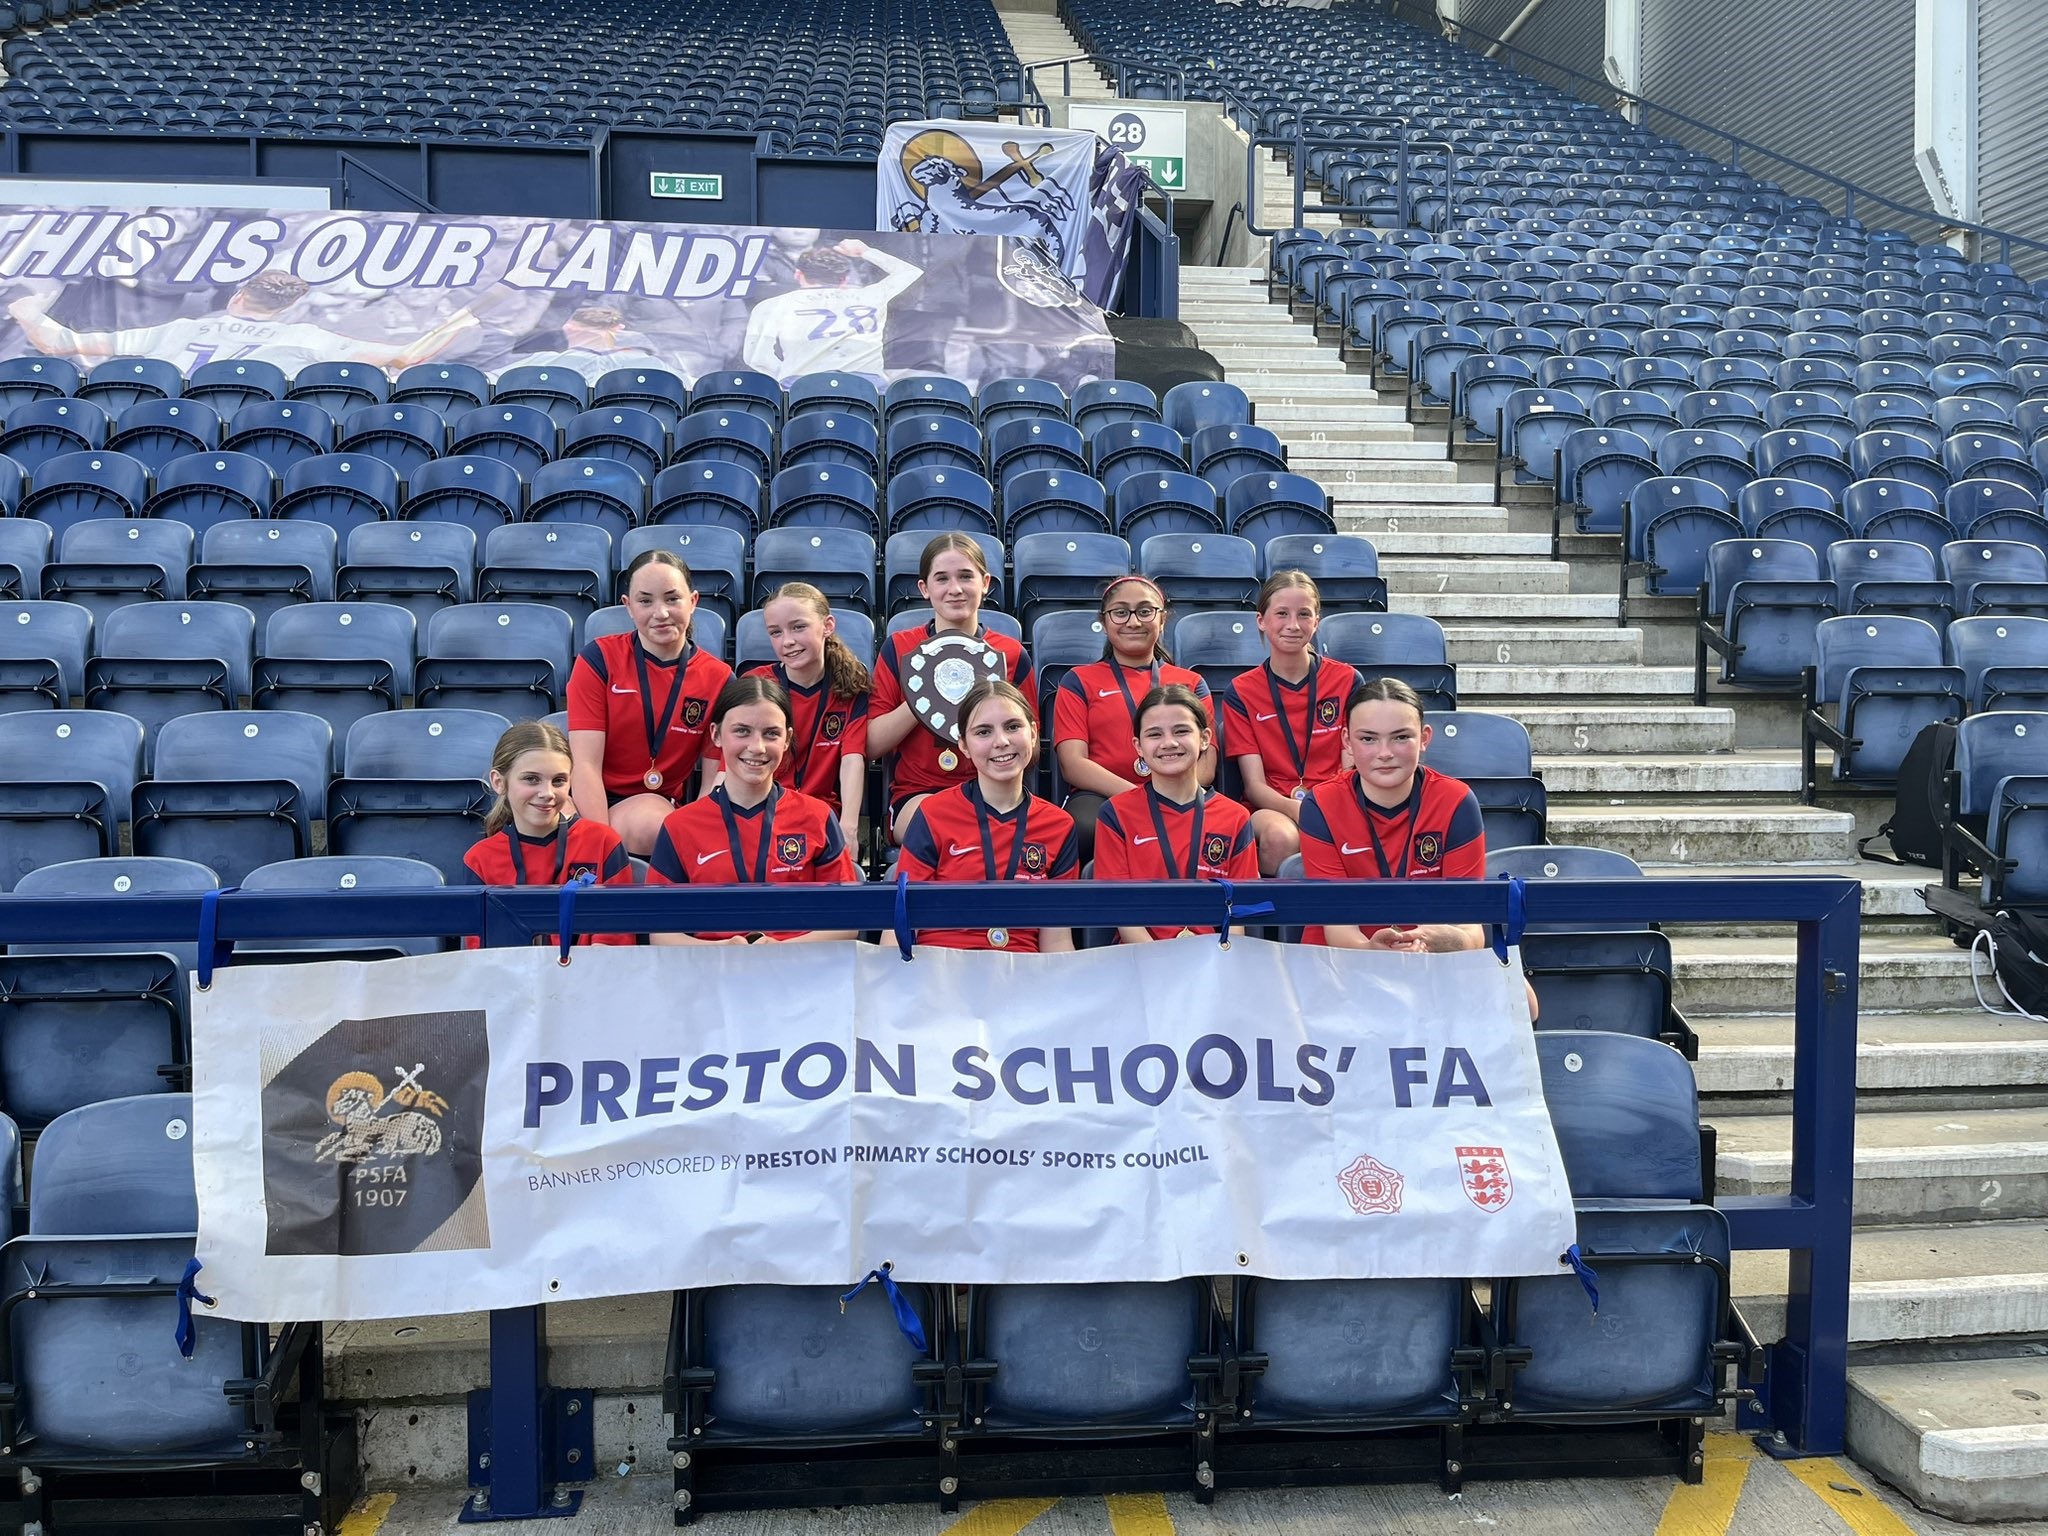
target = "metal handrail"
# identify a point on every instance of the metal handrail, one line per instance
(1852, 191)
(1176, 77)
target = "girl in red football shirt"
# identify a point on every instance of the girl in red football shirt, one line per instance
(1390, 818)
(828, 696)
(1170, 827)
(993, 827)
(1283, 719)
(640, 706)
(954, 577)
(1095, 704)
(532, 835)
(750, 830)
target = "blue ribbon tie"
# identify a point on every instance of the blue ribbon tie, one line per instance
(1587, 1277)
(189, 1292)
(211, 951)
(906, 1314)
(1232, 912)
(904, 937)
(1507, 935)
(563, 936)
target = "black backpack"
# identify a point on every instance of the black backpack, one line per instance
(1914, 830)
(2019, 955)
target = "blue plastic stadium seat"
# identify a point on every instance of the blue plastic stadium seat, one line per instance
(448, 389)
(1070, 1357)
(707, 494)
(231, 383)
(622, 434)
(67, 489)
(43, 647)
(828, 496)
(422, 567)
(67, 778)
(203, 489)
(837, 394)
(154, 432)
(523, 436)
(756, 394)
(1668, 525)
(281, 433)
(120, 382)
(1491, 753)
(1762, 601)
(562, 393)
(413, 784)
(1995, 576)
(608, 494)
(1104, 402)
(2000, 799)
(108, 562)
(1598, 469)
(509, 658)
(157, 661)
(715, 554)
(339, 388)
(1408, 646)
(832, 437)
(927, 395)
(1345, 566)
(235, 790)
(1052, 571)
(404, 436)
(838, 560)
(1884, 678)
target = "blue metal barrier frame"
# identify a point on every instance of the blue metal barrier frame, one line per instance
(1801, 1405)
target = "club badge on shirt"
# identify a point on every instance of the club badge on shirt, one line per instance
(1326, 712)
(1215, 849)
(1429, 848)
(693, 713)
(1034, 858)
(790, 848)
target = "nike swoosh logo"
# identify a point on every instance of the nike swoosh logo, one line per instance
(629, 692)
(1107, 693)
(958, 853)
(706, 858)
(1140, 841)
(1347, 848)
(1265, 717)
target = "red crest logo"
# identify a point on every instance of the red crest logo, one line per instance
(1372, 1187)
(1484, 1171)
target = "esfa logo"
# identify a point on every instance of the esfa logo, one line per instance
(372, 1135)
(1484, 1172)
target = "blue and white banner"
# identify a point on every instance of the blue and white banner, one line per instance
(490, 1129)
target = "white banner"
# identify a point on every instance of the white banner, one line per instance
(490, 1129)
(958, 178)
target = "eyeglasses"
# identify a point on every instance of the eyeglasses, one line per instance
(1145, 613)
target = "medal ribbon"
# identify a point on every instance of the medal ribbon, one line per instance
(1116, 670)
(658, 734)
(519, 844)
(732, 835)
(1152, 799)
(982, 817)
(1298, 755)
(1372, 830)
(803, 763)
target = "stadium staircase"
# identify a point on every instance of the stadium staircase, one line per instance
(1038, 35)
(1949, 1380)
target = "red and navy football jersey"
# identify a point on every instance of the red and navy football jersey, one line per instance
(605, 695)
(956, 836)
(1436, 834)
(825, 728)
(1096, 702)
(790, 838)
(577, 847)
(917, 769)
(1142, 835)
(1262, 712)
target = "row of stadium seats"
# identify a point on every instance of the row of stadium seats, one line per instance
(111, 1194)
(449, 389)
(813, 78)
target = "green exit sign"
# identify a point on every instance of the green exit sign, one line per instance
(675, 184)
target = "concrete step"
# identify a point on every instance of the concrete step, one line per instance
(1890, 893)
(1247, 356)
(1330, 462)
(1897, 1053)
(1543, 607)
(1753, 973)
(1706, 831)
(1370, 492)
(1396, 518)
(1531, 682)
(1774, 774)
(1609, 730)
(1920, 1285)
(1307, 410)
(1967, 1439)
(1500, 644)
(1501, 578)
(1912, 1166)
(1287, 378)
(1467, 546)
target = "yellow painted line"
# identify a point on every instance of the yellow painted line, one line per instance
(1859, 1507)
(999, 1517)
(368, 1517)
(1139, 1514)
(1707, 1508)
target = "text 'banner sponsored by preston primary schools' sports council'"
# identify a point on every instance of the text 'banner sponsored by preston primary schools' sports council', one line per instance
(490, 1129)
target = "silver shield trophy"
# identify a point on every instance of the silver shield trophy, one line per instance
(940, 673)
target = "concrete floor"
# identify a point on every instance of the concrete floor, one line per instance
(1745, 1494)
